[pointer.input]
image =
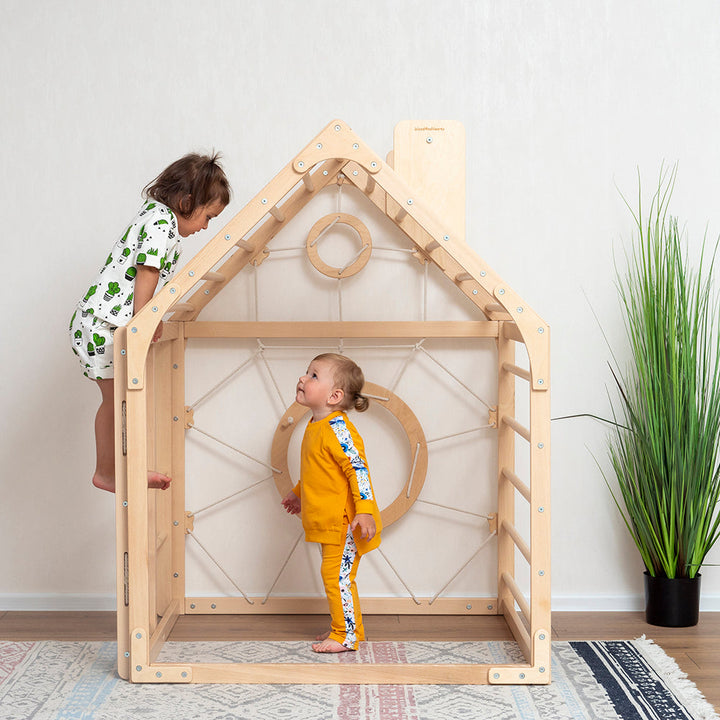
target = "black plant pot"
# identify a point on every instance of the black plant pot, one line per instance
(672, 602)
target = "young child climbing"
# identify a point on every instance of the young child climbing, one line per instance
(181, 200)
(335, 496)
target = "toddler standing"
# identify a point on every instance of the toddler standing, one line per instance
(335, 495)
(179, 202)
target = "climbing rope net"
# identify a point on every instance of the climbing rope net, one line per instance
(262, 357)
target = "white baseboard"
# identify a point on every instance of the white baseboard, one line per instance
(57, 602)
(562, 603)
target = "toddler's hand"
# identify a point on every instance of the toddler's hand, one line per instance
(366, 523)
(291, 503)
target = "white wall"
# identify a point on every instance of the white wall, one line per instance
(562, 103)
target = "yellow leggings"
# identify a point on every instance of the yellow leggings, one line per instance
(339, 568)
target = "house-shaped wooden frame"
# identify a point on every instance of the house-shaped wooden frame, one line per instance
(151, 421)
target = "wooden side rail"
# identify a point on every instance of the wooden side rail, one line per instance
(521, 545)
(517, 427)
(521, 487)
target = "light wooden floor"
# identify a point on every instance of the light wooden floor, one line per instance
(696, 649)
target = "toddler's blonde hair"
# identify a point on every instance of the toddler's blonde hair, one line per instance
(350, 379)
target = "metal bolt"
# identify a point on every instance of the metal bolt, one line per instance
(496, 676)
(541, 573)
(176, 523)
(522, 676)
(122, 352)
(127, 654)
(409, 202)
(191, 273)
(542, 636)
(541, 446)
(501, 291)
(373, 164)
(138, 668)
(133, 329)
(489, 607)
(541, 509)
(192, 606)
(325, 172)
(519, 309)
(124, 503)
(207, 292)
(319, 146)
(264, 201)
(183, 674)
(227, 237)
(541, 330)
(468, 606)
(301, 164)
(176, 574)
(155, 308)
(475, 292)
(542, 669)
(175, 366)
(541, 381)
(138, 636)
(355, 146)
(337, 127)
(429, 140)
(135, 381)
(446, 237)
(355, 172)
(158, 674)
(213, 606)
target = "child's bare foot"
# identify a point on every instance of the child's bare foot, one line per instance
(104, 483)
(323, 636)
(329, 646)
(156, 480)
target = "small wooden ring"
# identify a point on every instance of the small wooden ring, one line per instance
(321, 226)
(403, 414)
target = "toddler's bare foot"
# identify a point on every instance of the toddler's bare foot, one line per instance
(158, 480)
(329, 646)
(323, 636)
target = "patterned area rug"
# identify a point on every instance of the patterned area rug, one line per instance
(632, 680)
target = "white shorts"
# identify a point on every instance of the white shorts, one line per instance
(92, 342)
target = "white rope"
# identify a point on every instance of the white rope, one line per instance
(224, 380)
(255, 290)
(232, 495)
(464, 432)
(425, 291)
(414, 349)
(235, 585)
(339, 296)
(394, 249)
(354, 258)
(392, 567)
(412, 471)
(237, 450)
(454, 377)
(439, 592)
(270, 372)
(377, 397)
(324, 232)
(447, 507)
(287, 560)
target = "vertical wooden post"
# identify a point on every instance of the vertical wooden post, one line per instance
(177, 486)
(506, 460)
(121, 506)
(540, 590)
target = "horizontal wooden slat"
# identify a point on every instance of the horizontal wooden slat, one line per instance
(434, 329)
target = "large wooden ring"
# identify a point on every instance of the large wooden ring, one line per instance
(404, 415)
(323, 225)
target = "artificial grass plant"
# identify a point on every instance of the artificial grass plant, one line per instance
(666, 436)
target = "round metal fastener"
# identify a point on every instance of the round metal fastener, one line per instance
(227, 237)
(155, 309)
(541, 573)
(176, 574)
(542, 669)
(519, 309)
(138, 636)
(522, 676)
(541, 381)
(127, 654)
(541, 446)
(373, 164)
(124, 503)
(429, 140)
(409, 202)
(138, 668)
(541, 330)
(175, 366)
(134, 330)
(176, 523)
(192, 606)
(183, 674)
(213, 606)
(475, 292)
(541, 509)
(542, 636)
(325, 172)
(319, 146)
(468, 606)
(446, 237)
(172, 291)
(496, 676)
(135, 381)
(158, 674)
(356, 146)
(337, 127)
(191, 273)
(122, 352)
(501, 291)
(301, 164)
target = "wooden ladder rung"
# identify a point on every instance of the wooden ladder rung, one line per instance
(213, 276)
(308, 182)
(245, 245)
(277, 213)
(463, 277)
(182, 307)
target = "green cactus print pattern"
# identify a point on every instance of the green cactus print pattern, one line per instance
(151, 239)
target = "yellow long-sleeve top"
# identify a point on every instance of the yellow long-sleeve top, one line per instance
(335, 482)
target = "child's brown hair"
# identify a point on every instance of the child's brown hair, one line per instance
(190, 182)
(350, 379)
